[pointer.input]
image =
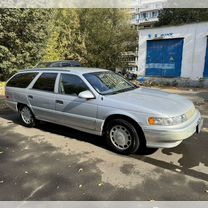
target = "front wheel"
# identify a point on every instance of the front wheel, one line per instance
(122, 137)
(27, 117)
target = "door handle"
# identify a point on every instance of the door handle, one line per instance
(30, 96)
(59, 102)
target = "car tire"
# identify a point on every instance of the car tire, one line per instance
(122, 137)
(27, 117)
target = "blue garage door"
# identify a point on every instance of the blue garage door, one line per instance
(164, 58)
(206, 63)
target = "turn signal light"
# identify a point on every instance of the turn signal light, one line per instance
(151, 121)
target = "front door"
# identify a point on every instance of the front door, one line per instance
(72, 110)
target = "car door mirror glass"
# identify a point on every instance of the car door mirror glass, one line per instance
(86, 95)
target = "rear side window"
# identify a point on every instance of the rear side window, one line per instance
(71, 85)
(21, 80)
(46, 82)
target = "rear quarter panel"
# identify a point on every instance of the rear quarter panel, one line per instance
(16, 95)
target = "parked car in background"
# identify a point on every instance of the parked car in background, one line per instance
(101, 102)
(131, 76)
(65, 63)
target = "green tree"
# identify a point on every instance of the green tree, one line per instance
(23, 35)
(66, 41)
(108, 34)
(176, 16)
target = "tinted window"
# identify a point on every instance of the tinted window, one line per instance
(71, 85)
(46, 82)
(21, 80)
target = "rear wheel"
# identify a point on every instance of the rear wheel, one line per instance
(27, 116)
(122, 136)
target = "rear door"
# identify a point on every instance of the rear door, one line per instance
(42, 97)
(16, 88)
(72, 110)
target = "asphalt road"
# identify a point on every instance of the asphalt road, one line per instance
(53, 162)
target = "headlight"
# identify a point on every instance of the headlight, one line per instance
(167, 121)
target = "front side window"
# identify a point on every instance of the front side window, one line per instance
(71, 85)
(46, 82)
(22, 80)
(108, 82)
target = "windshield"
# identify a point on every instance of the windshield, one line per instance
(107, 83)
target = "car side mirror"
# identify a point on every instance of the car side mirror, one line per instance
(86, 95)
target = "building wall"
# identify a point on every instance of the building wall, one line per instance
(194, 48)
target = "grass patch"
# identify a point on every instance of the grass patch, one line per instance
(2, 88)
(2, 84)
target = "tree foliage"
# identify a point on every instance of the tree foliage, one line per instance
(23, 34)
(176, 16)
(66, 41)
(95, 37)
(108, 34)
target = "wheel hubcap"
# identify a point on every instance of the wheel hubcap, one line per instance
(26, 115)
(120, 137)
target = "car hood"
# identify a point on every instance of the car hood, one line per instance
(151, 101)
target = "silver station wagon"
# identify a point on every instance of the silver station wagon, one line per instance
(101, 102)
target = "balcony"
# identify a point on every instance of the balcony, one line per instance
(144, 20)
(131, 53)
(147, 19)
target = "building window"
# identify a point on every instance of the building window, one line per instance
(154, 14)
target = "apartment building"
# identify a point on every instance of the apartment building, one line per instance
(144, 15)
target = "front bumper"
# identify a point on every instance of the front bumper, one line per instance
(168, 137)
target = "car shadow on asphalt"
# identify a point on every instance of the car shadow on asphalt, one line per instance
(71, 133)
(193, 151)
(61, 130)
